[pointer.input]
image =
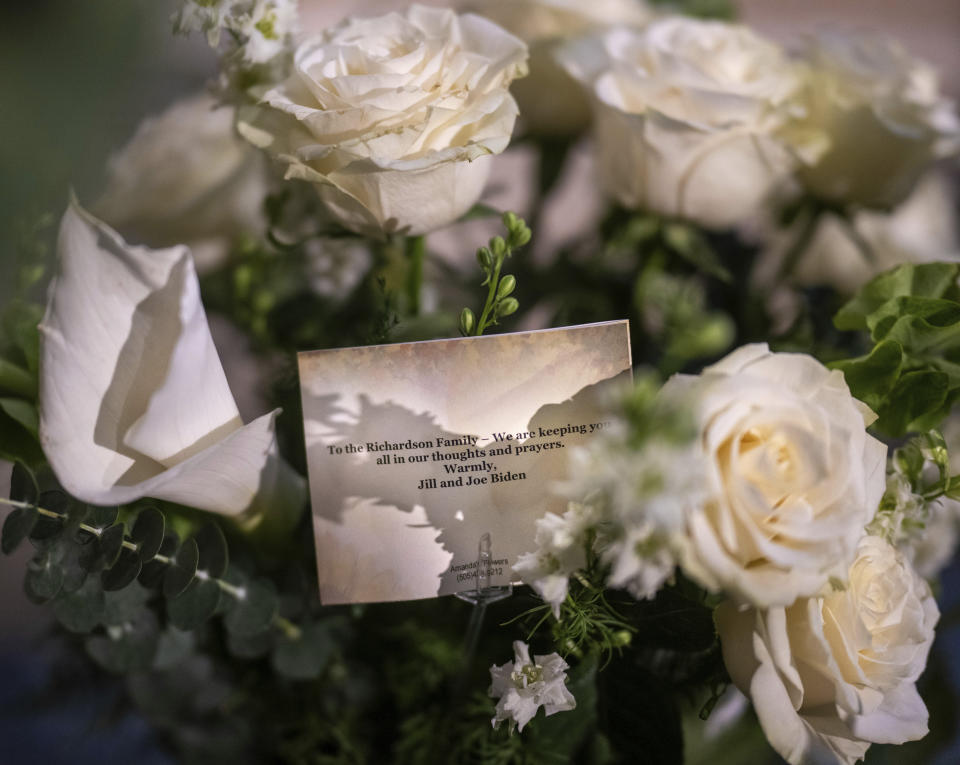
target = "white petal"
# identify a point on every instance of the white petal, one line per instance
(133, 399)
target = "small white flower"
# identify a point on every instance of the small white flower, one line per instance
(523, 686)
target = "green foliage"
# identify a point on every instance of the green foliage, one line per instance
(911, 375)
(499, 302)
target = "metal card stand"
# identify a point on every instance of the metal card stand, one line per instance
(481, 596)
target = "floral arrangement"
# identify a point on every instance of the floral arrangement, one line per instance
(764, 520)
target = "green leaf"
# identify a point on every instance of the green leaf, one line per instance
(121, 606)
(147, 533)
(872, 377)
(480, 210)
(254, 611)
(194, 605)
(306, 657)
(74, 574)
(44, 577)
(173, 647)
(123, 572)
(23, 484)
(22, 326)
(931, 280)
(689, 245)
(82, 610)
(250, 646)
(560, 736)
(179, 575)
(103, 552)
(101, 517)
(17, 527)
(915, 395)
(128, 647)
(22, 412)
(17, 380)
(153, 571)
(214, 555)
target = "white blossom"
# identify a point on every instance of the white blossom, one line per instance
(523, 686)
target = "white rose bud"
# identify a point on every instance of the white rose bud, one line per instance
(830, 675)
(880, 117)
(687, 116)
(792, 476)
(551, 103)
(186, 177)
(394, 117)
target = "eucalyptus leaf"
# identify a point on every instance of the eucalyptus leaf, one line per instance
(173, 647)
(44, 577)
(194, 605)
(121, 606)
(251, 646)
(23, 484)
(82, 610)
(305, 657)
(103, 552)
(147, 532)
(179, 575)
(127, 648)
(153, 571)
(213, 553)
(17, 527)
(102, 517)
(254, 611)
(123, 572)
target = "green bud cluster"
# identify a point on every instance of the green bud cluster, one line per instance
(500, 301)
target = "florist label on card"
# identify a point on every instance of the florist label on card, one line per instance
(417, 450)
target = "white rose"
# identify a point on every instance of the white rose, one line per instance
(923, 229)
(394, 117)
(828, 676)
(186, 177)
(792, 476)
(550, 102)
(687, 116)
(879, 116)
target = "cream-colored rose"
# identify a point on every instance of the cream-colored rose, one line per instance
(793, 476)
(923, 229)
(186, 177)
(550, 102)
(687, 116)
(394, 117)
(830, 675)
(878, 114)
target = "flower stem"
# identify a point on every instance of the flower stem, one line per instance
(416, 247)
(491, 297)
(808, 227)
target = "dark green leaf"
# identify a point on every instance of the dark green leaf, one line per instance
(915, 395)
(74, 574)
(305, 657)
(250, 646)
(125, 570)
(153, 571)
(103, 552)
(173, 647)
(17, 527)
(22, 326)
(213, 550)
(179, 575)
(147, 532)
(560, 736)
(127, 648)
(101, 517)
(44, 577)
(82, 610)
(46, 528)
(23, 484)
(22, 412)
(17, 380)
(480, 210)
(121, 606)
(687, 243)
(194, 605)
(872, 377)
(254, 610)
